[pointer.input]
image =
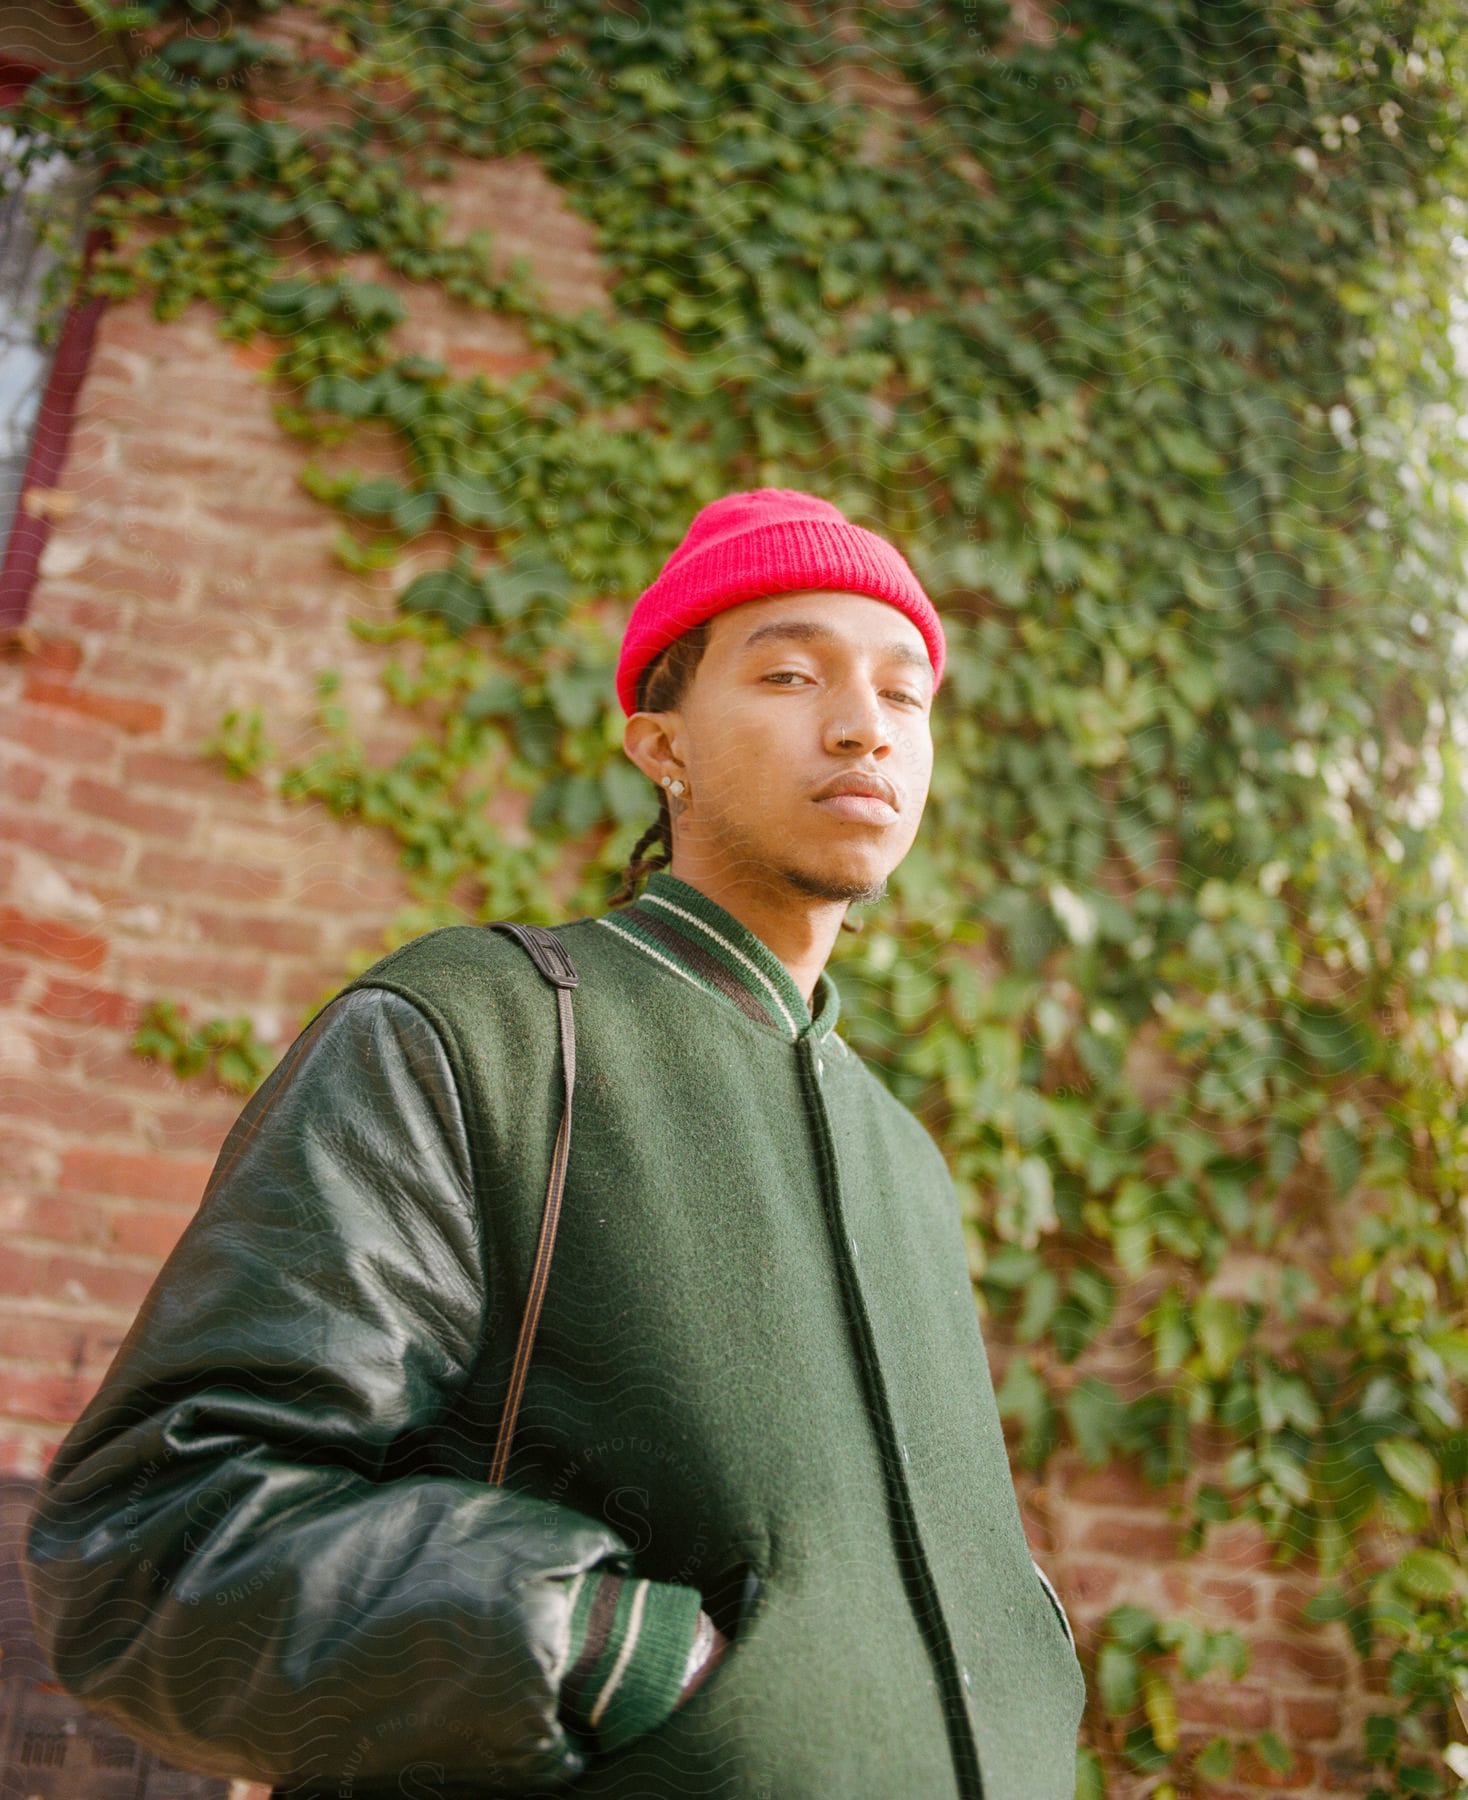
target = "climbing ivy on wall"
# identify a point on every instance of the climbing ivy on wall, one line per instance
(1136, 341)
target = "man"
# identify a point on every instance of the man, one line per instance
(758, 1535)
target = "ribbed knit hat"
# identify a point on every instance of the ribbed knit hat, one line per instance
(753, 546)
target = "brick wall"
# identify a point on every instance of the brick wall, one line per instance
(189, 573)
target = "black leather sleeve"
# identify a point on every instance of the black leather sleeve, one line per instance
(217, 1562)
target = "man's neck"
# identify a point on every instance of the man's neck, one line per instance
(798, 929)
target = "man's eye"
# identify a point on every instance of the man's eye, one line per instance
(787, 676)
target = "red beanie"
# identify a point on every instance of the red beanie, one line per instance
(753, 546)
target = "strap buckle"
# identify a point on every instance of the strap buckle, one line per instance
(545, 950)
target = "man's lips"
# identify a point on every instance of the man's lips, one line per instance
(867, 808)
(863, 782)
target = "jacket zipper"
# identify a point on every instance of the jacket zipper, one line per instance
(928, 1607)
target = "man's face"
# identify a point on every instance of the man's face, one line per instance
(790, 692)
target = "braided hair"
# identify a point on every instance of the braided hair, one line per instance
(661, 688)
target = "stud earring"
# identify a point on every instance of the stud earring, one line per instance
(675, 787)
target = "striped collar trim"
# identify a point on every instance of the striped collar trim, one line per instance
(678, 925)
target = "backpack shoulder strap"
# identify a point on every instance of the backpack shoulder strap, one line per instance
(544, 949)
(550, 956)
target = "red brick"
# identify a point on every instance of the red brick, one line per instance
(185, 453)
(32, 1394)
(60, 1342)
(67, 1105)
(53, 656)
(301, 987)
(1115, 1484)
(1188, 1585)
(148, 1231)
(23, 781)
(161, 871)
(199, 774)
(105, 800)
(237, 980)
(153, 539)
(56, 939)
(152, 674)
(348, 890)
(26, 1155)
(1092, 1585)
(53, 1219)
(103, 485)
(1241, 1545)
(127, 714)
(133, 1176)
(1227, 1707)
(261, 931)
(86, 612)
(25, 1452)
(13, 977)
(69, 1279)
(255, 356)
(63, 840)
(304, 518)
(1288, 1602)
(1311, 1720)
(85, 1005)
(1138, 1538)
(201, 1125)
(1297, 1665)
(58, 738)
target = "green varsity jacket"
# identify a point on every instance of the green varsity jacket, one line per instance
(268, 1550)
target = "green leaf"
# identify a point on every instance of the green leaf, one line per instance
(415, 512)
(370, 302)
(1326, 1607)
(472, 500)
(447, 594)
(1119, 1677)
(1411, 1465)
(1284, 1399)
(1090, 1777)
(1431, 1575)
(352, 396)
(1381, 1738)
(1093, 1410)
(1330, 1038)
(1041, 1296)
(516, 586)
(1160, 1705)
(1341, 1155)
(1274, 1752)
(379, 497)
(1222, 1334)
(628, 795)
(1024, 1396)
(1137, 839)
(498, 695)
(581, 804)
(1172, 1336)
(291, 305)
(1133, 1627)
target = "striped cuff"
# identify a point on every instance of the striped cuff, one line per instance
(630, 1646)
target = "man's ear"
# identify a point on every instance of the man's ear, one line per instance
(648, 743)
